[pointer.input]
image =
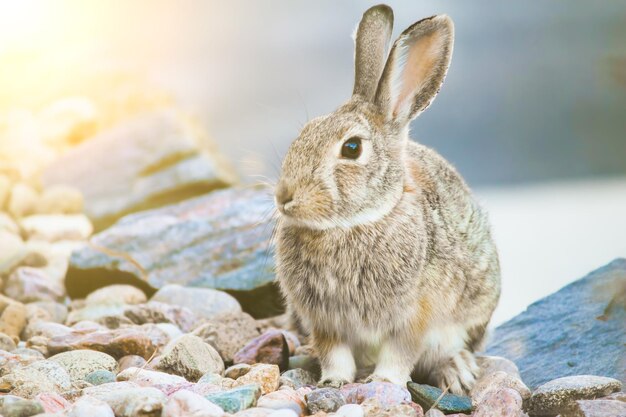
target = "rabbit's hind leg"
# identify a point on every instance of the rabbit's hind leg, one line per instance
(445, 360)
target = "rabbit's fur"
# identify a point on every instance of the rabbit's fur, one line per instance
(386, 259)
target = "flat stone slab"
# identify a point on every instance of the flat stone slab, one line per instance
(145, 162)
(579, 330)
(220, 241)
(559, 395)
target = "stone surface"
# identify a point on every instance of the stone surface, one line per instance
(426, 395)
(36, 378)
(185, 403)
(433, 412)
(117, 342)
(190, 357)
(270, 347)
(7, 223)
(12, 251)
(218, 241)
(128, 400)
(23, 200)
(558, 395)
(597, 408)
(157, 312)
(205, 303)
(117, 294)
(492, 364)
(100, 313)
(497, 381)
(386, 393)
(60, 199)
(350, 410)
(151, 160)
(327, 400)
(236, 371)
(5, 190)
(90, 406)
(28, 284)
(52, 403)
(372, 407)
(297, 378)
(264, 375)
(7, 343)
(557, 336)
(283, 413)
(228, 333)
(283, 399)
(149, 378)
(12, 318)
(46, 311)
(618, 396)
(254, 412)
(236, 399)
(80, 363)
(505, 402)
(131, 361)
(100, 377)
(22, 408)
(55, 227)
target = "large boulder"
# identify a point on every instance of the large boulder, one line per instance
(577, 330)
(220, 241)
(149, 161)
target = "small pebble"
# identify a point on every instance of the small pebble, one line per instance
(297, 378)
(271, 347)
(236, 399)
(22, 408)
(350, 410)
(190, 357)
(324, 399)
(100, 376)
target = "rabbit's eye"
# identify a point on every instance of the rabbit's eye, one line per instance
(351, 149)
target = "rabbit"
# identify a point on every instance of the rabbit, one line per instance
(382, 254)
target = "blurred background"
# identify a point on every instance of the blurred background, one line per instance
(533, 111)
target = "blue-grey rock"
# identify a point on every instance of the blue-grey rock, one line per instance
(426, 396)
(219, 241)
(236, 399)
(579, 330)
(99, 377)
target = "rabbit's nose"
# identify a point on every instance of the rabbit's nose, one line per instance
(284, 195)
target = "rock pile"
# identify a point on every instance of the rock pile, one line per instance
(119, 353)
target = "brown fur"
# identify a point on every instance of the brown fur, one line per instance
(386, 259)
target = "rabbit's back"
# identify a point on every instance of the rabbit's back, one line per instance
(460, 237)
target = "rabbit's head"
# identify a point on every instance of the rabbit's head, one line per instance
(347, 168)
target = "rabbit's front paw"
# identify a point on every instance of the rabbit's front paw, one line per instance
(332, 382)
(376, 378)
(459, 374)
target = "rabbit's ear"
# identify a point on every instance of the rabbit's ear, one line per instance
(416, 68)
(371, 45)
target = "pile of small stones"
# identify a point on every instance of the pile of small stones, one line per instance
(194, 352)
(116, 353)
